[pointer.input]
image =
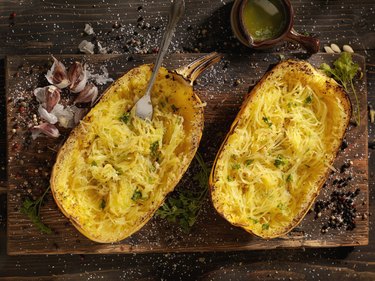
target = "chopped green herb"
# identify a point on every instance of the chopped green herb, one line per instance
(102, 204)
(308, 100)
(155, 152)
(31, 208)
(279, 161)
(236, 166)
(344, 72)
(254, 220)
(229, 178)
(265, 226)
(289, 178)
(174, 108)
(267, 121)
(249, 161)
(163, 104)
(281, 206)
(184, 205)
(118, 170)
(137, 195)
(93, 163)
(125, 118)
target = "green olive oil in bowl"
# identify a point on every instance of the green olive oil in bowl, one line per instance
(264, 19)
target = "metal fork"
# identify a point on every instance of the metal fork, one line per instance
(143, 107)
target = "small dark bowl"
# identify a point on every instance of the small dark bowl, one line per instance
(311, 44)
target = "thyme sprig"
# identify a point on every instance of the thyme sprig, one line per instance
(183, 207)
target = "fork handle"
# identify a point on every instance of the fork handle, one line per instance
(175, 13)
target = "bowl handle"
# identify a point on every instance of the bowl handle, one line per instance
(191, 71)
(311, 44)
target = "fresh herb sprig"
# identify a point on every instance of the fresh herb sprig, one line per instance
(183, 207)
(344, 72)
(31, 208)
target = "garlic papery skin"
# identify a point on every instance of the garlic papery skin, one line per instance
(86, 47)
(57, 75)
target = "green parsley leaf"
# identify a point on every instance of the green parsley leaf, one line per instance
(344, 72)
(32, 210)
(265, 226)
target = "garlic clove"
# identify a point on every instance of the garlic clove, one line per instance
(88, 94)
(335, 48)
(77, 75)
(65, 116)
(328, 50)
(348, 49)
(49, 117)
(57, 75)
(45, 128)
(52, 97)
(40, 94)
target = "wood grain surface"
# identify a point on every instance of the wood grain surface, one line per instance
(56, 26)
(30, 162)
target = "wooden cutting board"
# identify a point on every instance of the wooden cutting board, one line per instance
(223, 87)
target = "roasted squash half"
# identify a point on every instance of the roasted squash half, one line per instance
(280, 149)
(115, 169)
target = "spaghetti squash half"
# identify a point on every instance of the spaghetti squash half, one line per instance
(280, 149)
(115, 169)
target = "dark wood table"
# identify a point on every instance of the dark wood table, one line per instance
(56, 27)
